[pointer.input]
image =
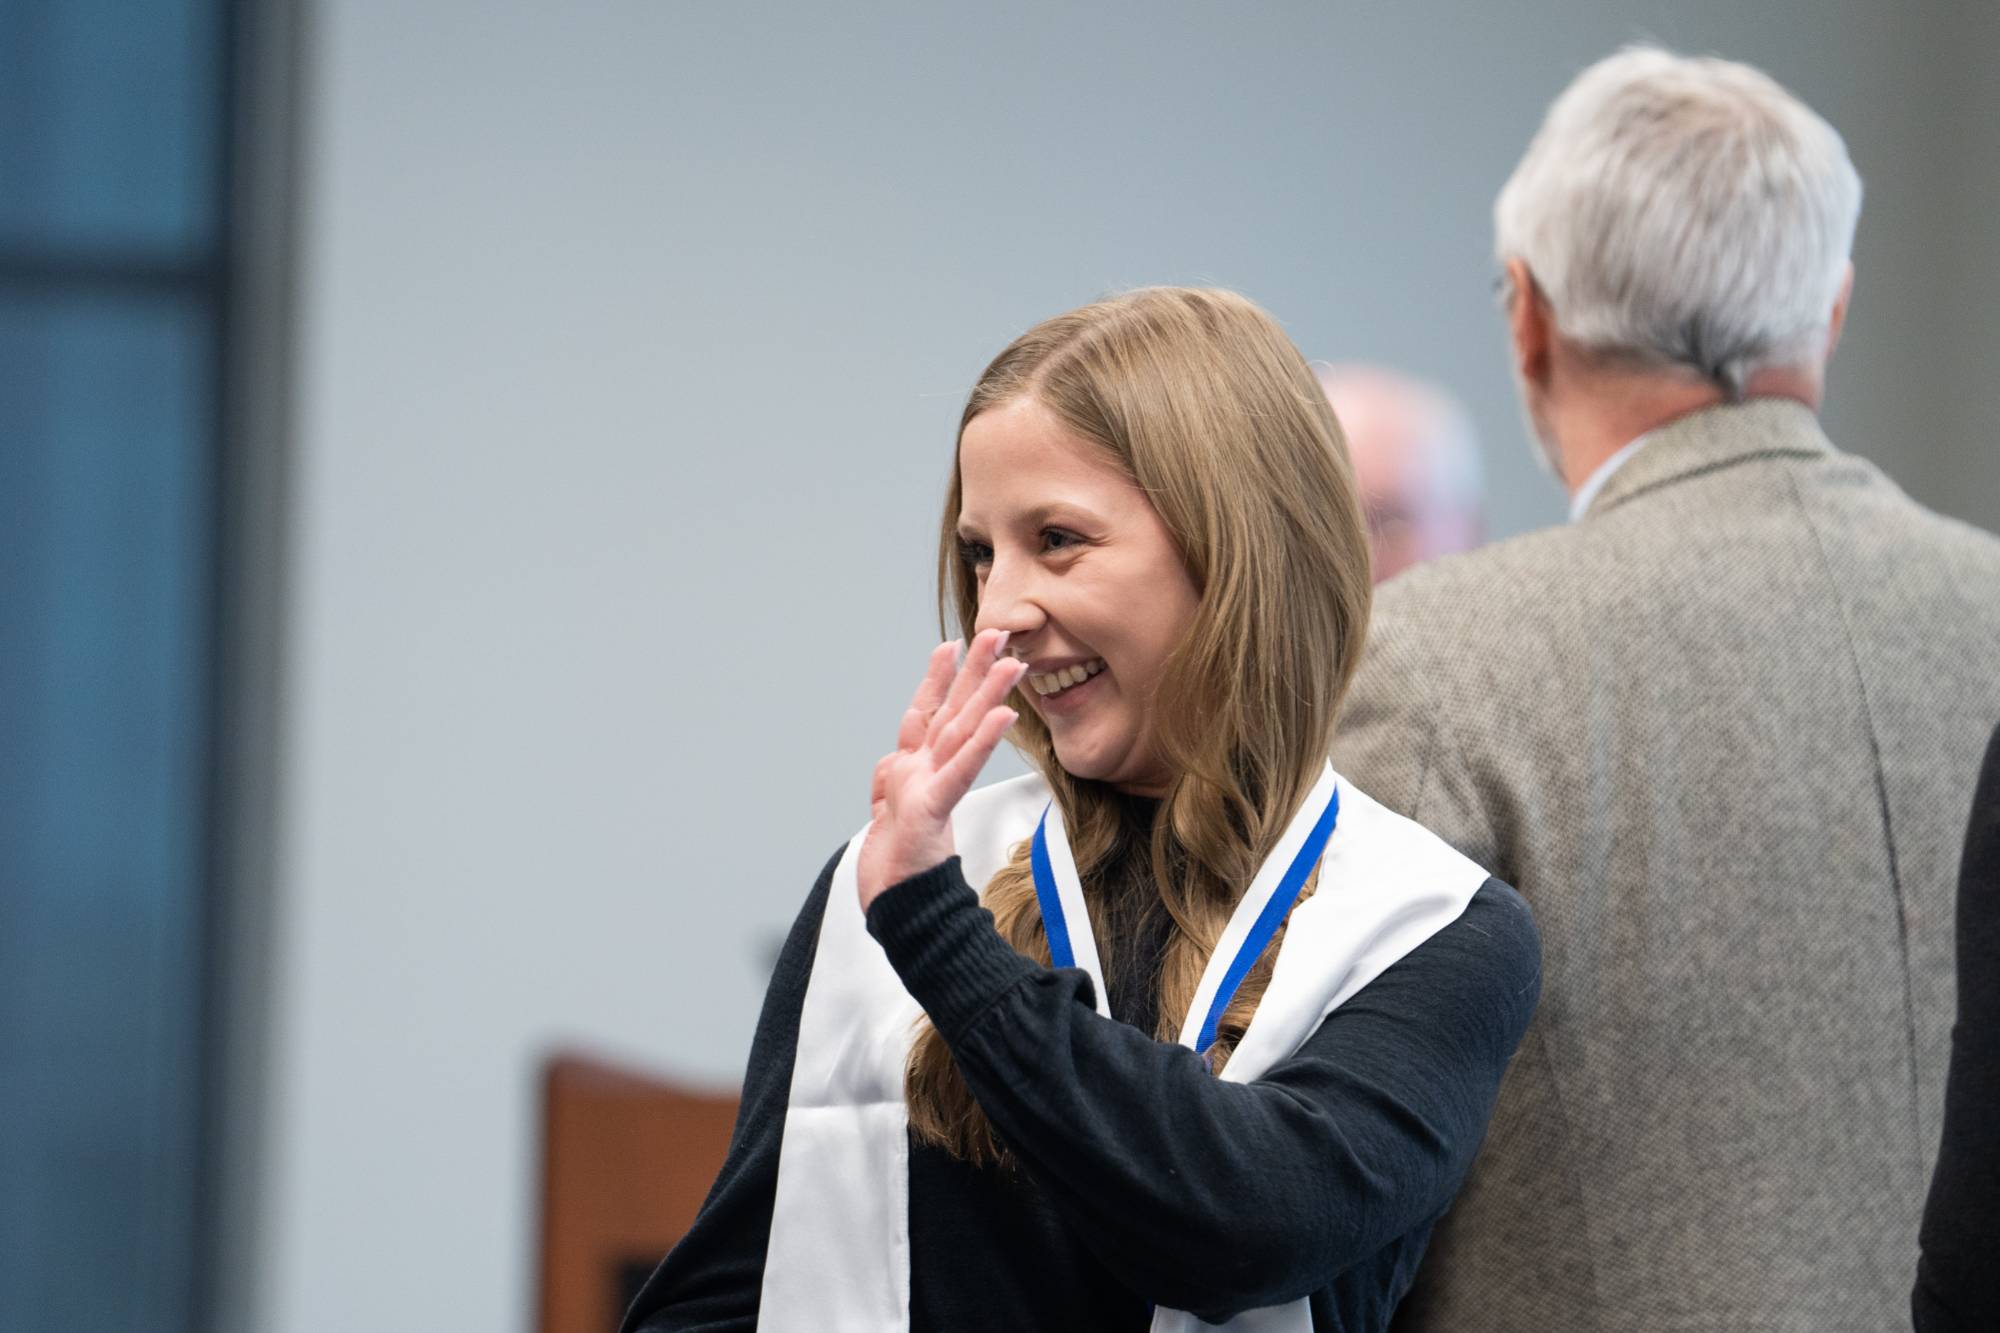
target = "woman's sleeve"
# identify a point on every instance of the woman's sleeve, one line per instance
(1210, 1196)
(713, 1278)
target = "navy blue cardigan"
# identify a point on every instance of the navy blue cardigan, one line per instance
(1139, 1179)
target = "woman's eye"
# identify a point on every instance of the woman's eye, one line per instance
(1055, 539)
(975, 554)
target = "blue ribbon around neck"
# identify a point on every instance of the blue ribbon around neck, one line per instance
(1062, 954)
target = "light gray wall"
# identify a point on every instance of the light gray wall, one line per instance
(631, 340)
(1959, 470)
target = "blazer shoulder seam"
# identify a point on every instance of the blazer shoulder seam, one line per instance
(1896, 893)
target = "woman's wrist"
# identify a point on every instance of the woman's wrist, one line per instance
(900, 864)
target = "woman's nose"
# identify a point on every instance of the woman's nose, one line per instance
(1007, 601)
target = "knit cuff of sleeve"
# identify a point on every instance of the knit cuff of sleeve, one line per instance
(943, 945)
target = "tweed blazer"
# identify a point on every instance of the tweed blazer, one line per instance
(1720, 733)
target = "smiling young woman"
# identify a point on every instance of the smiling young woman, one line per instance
(1181, 1026)
(1215, 561)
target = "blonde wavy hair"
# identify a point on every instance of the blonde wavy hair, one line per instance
(1200, 397)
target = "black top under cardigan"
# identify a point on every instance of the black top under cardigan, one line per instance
(1141, 1178)
(1958, 1284)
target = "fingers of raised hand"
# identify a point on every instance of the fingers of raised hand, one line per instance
(956, 776)
(1001, 679)
(930, 694)
(980, 657)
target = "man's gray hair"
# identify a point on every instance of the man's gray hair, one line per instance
(1686, 211)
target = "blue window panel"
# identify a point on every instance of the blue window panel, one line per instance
(106, 510)
(110, 126)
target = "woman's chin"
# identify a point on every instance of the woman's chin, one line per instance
(1081, 774)
(1084, 764)
(1112, 771)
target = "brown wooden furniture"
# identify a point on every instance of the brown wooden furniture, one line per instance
(626, 1162)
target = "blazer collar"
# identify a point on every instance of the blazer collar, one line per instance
(1711, 438)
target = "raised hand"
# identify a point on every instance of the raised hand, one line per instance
(949, 731)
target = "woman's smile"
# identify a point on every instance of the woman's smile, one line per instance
(1064, 693)
(1054, 678)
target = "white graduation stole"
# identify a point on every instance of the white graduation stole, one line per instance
(839, 1252)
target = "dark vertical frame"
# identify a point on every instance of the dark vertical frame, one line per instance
(239, 281)
(252, 469)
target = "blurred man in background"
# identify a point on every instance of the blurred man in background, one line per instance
(1720, 730)
(1416, 460)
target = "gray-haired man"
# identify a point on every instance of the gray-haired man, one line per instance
(1721, 731)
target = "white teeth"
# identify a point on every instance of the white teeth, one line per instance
(1055, 682)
